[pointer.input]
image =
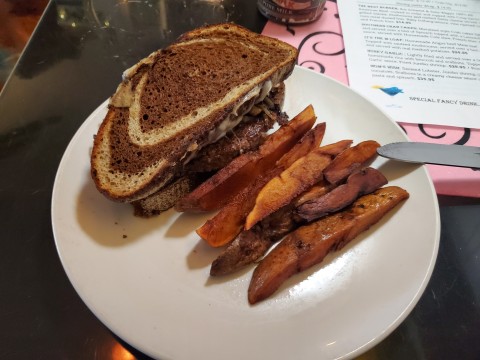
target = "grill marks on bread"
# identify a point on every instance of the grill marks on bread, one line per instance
(172, 103)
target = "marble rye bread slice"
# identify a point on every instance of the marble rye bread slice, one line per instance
(246, 136)
(180, 99)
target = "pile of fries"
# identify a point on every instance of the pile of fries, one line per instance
(312, 198)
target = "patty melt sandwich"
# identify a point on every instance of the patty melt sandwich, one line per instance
(187, 110)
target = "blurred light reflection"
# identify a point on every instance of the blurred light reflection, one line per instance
(120, 353)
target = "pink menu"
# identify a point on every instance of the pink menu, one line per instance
(321, 49)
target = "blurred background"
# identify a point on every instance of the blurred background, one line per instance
(18, 19)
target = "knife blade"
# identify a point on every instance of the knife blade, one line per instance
(437, 154)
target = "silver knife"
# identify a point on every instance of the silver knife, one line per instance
(437, 154)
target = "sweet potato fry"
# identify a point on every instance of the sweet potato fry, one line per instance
(320, 200)
(293, 181)
(310, 244)
(359, 183)
(251, 245)
(336, 148)
(311, 140)
(351, 159)
(229, 221)
(317, 190)
(230, 180)
(282, 189)
(247, 248)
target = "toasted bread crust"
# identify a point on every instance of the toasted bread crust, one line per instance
(173, 103)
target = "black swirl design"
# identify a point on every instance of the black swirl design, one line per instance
(318, 43)
(424, 132)
(313, 65)
(462, 141)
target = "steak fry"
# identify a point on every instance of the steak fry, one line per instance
(310, 244)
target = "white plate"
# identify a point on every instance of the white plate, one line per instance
(147, 279)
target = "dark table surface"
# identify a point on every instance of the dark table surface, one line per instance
(70, 66)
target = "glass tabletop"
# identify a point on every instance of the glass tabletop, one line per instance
(74, 62)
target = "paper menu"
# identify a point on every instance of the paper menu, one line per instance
(417, 60)
(321, 48)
